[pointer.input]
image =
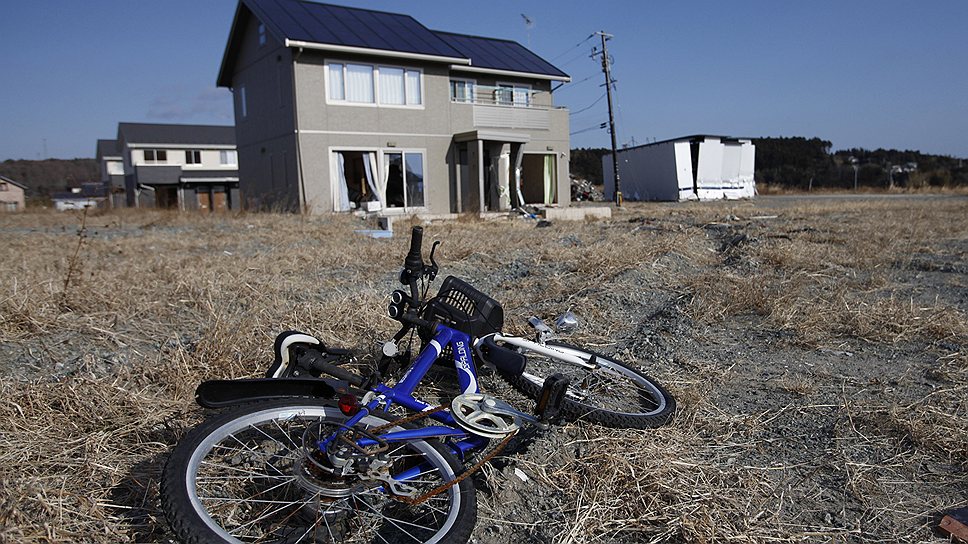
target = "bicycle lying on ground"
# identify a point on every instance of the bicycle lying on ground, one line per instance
(302, 457)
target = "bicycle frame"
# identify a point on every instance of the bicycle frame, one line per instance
(402, 394)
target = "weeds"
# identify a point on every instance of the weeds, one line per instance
(778, 438)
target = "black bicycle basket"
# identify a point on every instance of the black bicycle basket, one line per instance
(461, 307)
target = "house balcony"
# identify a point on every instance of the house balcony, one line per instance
(504, 107)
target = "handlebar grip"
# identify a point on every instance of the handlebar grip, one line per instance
(414, 260)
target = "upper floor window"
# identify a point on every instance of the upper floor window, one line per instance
(156, 155)
(507, 94)
(262, 34)
(3, 186)
(228, 157)
(367, 84)
(462, 90)
(193, 156)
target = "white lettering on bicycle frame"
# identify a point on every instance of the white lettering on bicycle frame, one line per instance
(464, 365)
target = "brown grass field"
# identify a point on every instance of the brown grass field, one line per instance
(818, 349)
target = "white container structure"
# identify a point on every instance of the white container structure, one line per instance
(700, 167)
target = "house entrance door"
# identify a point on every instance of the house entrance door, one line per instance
(220, 201)
(204, 200)
(539, 182)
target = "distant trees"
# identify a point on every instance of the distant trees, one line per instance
(48, 176)
(808, 162)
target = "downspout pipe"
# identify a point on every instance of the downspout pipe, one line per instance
(303, 205)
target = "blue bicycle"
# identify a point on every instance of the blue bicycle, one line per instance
(316, 453)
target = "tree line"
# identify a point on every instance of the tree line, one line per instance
(806, 163)
(51, 175)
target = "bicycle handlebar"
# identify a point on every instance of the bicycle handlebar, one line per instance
(414, 261)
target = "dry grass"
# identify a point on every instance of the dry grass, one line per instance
(97, 389)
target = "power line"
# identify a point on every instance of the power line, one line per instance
(571, 84)
(588, 107)
(572, 48)
(599, 126)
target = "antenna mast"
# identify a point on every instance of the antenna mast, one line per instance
(606, 67)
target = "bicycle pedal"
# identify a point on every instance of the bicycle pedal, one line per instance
(551, 397)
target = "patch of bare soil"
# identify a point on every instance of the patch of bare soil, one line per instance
(817, 350)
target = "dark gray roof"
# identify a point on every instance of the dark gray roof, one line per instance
(87, 190)
(146, 133)
(500, 54)
(330, 25)
(108, 148)
(12, 182)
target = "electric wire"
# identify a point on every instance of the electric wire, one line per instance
(596, 127)
(572, 48)
(590, 106)
(571, 84)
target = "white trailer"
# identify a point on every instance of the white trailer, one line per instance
(697, 167)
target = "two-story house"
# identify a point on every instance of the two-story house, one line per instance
(12, 195)
(185, 167)
(341, 108)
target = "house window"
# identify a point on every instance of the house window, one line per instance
(366, 84)
(512, 95)
(3, 187)
(462, 90)
(228, 157)
(405, 179)
(156, 155)
(193, 156)
(359, 84)
(262, 34)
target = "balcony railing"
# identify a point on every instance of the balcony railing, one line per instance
(501, 95)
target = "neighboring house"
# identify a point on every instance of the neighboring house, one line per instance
(88, 195)
(111, 163)
(12, 195)
(699, 167)
(185, 167)
(342, 108)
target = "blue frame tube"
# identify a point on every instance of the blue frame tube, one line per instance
(402, 393)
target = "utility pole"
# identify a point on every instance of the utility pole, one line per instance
(606, 67)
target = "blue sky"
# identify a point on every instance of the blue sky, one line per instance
(859, 73)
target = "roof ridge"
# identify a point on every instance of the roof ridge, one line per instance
(479, 37)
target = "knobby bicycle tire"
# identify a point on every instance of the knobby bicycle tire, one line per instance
(241, 477)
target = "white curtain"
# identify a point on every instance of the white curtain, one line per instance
(359, 83)
(336, 82)
(413, 87)
(343, 201)
(391, 86)
(549, 179)
(369, 166)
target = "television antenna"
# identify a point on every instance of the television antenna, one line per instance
(528, 25)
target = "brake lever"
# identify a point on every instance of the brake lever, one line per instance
(432, 270)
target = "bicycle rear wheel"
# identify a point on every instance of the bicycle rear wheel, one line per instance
(612, 394)
(244, 477)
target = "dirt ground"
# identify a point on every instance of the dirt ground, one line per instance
(817, 348)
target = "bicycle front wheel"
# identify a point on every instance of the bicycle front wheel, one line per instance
(245, 476)
(612, 393)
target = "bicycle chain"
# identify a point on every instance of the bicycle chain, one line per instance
(446, 485)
